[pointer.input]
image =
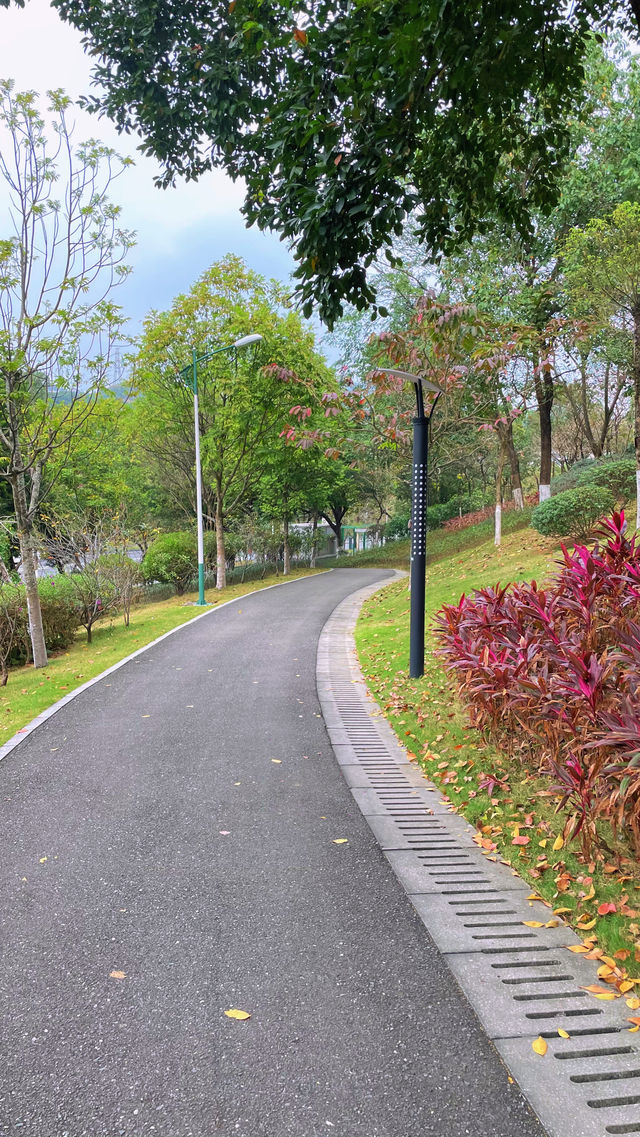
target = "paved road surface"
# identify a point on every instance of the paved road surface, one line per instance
(210, 895)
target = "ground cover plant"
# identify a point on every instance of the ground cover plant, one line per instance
(511, 804)
(31, 691)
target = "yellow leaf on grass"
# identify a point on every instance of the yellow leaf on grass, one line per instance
(563, 1033)
(540, 1046)
(557, 844)
(585, 927)
(341, 840)
(235, 1014)
(561, 911)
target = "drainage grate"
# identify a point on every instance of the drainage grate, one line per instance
(521, 981)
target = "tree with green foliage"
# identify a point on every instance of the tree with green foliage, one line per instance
(62, 253)
(245, 397)
(602, 271)
(343, 117)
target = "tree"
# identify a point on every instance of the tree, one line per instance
(342, 117)
(244, 399)
(602, 269)
(57, 322)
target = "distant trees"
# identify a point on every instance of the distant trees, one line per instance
(244, 404)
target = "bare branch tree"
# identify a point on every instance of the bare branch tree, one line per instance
(58, 325)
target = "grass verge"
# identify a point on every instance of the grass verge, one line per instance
(441, 543)
(433, 726)
(29, 692)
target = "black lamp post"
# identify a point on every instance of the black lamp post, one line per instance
(418, 564)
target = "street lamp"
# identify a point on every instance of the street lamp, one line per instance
(418, 562)
(190, 376)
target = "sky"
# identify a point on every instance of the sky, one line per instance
(180, 231)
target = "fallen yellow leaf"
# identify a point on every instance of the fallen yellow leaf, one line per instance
(552, 924)
(235, 1014)
(585, 927)
(563, 1033)
(633, 1004)
(340, 840)
(540, 1046)
(561, 911)
(579, 948)
(533, 924)
(557, 844)
(626, 985)
(277, 761)
(117, 975)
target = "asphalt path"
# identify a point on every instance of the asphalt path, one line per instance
(176, 823)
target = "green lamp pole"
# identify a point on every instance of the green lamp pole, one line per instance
(190, 375)
(418, 562)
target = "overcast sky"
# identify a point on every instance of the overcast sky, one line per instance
(180, 231)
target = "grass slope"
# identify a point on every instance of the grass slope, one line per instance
(29, 692)
(430, 722)
(441, 543)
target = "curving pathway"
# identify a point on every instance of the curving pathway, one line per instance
(187, 806)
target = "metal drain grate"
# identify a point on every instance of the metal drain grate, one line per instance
(521, 981)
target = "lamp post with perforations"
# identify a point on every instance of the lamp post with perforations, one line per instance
(418, 562)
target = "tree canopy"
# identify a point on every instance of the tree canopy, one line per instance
(343, 116)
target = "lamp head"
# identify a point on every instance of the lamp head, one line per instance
(244, 341)
(412, 379)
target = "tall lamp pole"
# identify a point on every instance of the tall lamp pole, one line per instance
(418, 563)
(190, 377)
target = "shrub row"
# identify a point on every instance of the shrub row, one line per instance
(106, 585)
(554, 673)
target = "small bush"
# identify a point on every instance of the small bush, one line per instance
(172, 559)
(572, 513)
(59, 614)
(123, 576)
(568, 479)
(618, 477)
(398, 526)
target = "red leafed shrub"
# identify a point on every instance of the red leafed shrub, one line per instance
(556, 670)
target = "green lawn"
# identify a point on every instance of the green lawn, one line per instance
(29, 692)
(433, 726)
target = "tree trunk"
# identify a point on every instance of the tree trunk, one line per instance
(286, 557)
(29, 562)
(335, 523)
(544, 397)
(514, 463)
(314, 539)
(497, 535)
(221, 561)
